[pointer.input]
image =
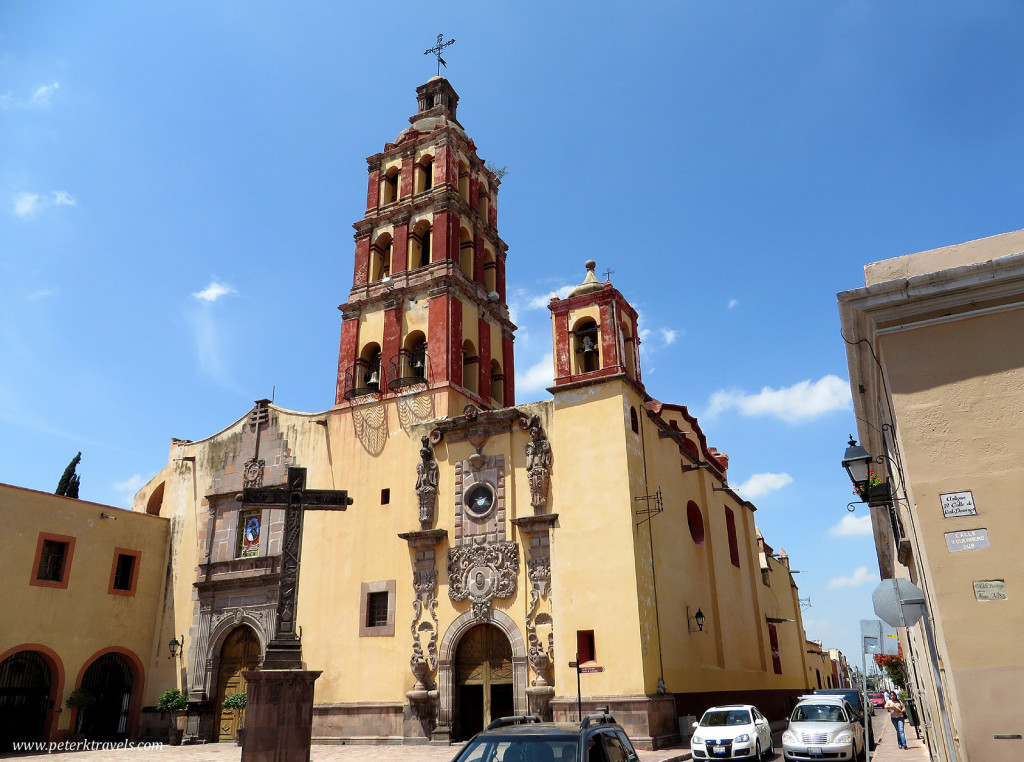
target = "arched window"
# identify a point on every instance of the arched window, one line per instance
(410, 366)
(369, 360)
(419, 245)
(470, 367)
(466, 252)
(425, 174)
(490, 271)
(156, 500)
(586, 350)
(380, 258)
(389, 186)
(497, 384)
(483, 202)
(695, 520)
(629, 350)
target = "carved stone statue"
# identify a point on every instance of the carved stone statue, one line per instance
(426, 483)
(538, 466)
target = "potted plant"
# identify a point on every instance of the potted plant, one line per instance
(80, 699)
(236, 702)
(175, 703)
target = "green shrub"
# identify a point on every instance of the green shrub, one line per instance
(172, 701)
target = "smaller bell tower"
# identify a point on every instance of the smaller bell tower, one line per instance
(595, 334)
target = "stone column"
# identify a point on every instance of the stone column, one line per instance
(279, 720)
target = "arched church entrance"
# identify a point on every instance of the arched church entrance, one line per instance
(240, 653)
(108, 681)
(484, 689)
(25, 679)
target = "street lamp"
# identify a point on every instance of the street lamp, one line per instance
(697, 619)
(175, 646)
(857, 463)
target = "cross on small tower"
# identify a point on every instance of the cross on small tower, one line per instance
(436, 50)
(608, 273)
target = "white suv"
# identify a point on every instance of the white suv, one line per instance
(736, 731)
(823, 727)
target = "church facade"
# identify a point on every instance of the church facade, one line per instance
(488, 545)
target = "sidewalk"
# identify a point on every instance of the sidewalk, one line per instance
(226, 752)
(888, 751)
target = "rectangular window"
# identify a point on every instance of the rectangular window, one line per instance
(734, 546)
(385, 496)
(377, 609)
(125, 571)
(52, 564)
(585, 650)
(773, 640)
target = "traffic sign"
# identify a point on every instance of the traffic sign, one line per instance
(898, 602)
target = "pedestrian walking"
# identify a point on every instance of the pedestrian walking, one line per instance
(898, 714)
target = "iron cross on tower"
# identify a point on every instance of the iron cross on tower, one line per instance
(285, 650)
(436, 50)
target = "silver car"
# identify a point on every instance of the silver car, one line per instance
(823, 727)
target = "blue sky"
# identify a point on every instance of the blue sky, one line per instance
(178, 183)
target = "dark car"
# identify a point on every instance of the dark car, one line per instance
(598, 738)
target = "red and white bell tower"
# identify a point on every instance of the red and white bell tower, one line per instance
(427, 307)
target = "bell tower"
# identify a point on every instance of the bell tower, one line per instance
(427, 307)
(595, 334)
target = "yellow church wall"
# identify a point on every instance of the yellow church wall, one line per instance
(75, 623)
(593, 571)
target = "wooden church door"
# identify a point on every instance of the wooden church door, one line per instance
(240, 653)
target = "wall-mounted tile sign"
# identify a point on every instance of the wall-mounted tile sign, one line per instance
(990, 590)
(972, 539)
(958, 504)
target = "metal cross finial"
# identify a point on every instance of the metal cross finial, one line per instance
(436, 50)
(608, 273)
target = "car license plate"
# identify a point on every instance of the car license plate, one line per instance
(813, 751)
(718, 750)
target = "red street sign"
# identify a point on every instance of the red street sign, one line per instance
(591, 669)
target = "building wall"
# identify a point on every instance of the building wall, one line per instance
(74, 623)
(949, 383)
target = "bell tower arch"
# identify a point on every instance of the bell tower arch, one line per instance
(429, 275)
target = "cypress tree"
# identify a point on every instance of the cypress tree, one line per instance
(69, 480)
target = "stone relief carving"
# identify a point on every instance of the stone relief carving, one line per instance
(541, 658)
(483, 573)
(253, 476)
(424, 664)
(426, 483)
(538, 464)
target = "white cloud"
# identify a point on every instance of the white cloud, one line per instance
(214, 291)
(668, 335)
(537, 377)
(541, 302)
(851, 526)
(41, 97)
(129, 487)
(26, 204)
(732, 303)
(861, 576)
(759, 485)
(42, 293)
(799, 402)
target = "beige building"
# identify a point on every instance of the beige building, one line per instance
(82, 596)
(488, 544)
(937, 372)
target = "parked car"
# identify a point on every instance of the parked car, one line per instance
(823, 727)
(877, 698)
(527, 739)
(853, 695)
(735, 731)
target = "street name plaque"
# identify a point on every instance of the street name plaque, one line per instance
(990, 590)
(958, 504)
(972, 539)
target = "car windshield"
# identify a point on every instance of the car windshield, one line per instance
(818, 713)
(725, 717)
(520, 750)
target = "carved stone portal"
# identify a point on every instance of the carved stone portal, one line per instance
(483, 573)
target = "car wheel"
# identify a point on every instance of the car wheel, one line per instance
(771, 747)
(757, 752)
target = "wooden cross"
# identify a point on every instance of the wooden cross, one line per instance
(436, 50)
(285, 649)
